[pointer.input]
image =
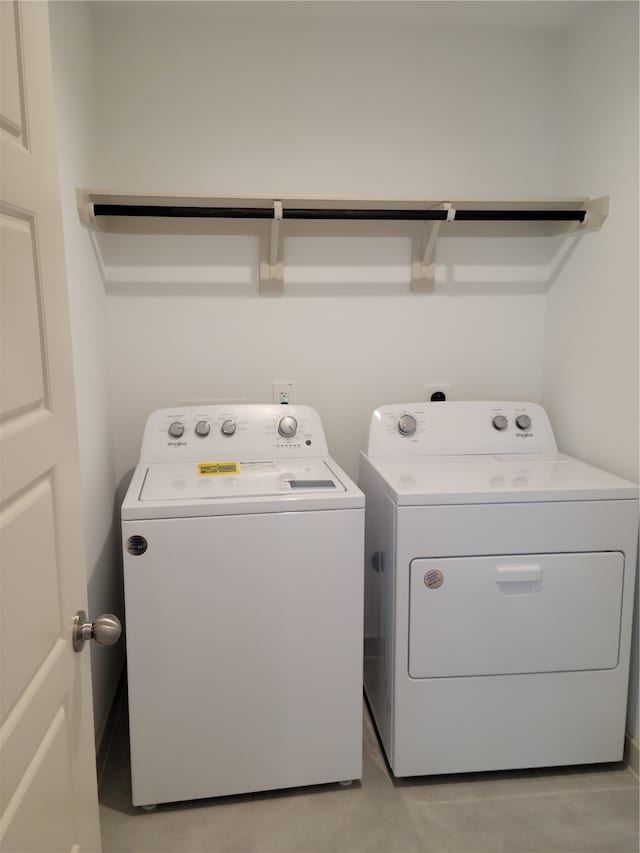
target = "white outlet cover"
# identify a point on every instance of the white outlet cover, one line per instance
(284, 387)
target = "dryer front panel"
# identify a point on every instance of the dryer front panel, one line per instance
(514, 614)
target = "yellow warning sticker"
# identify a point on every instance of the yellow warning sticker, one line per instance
(208, 469)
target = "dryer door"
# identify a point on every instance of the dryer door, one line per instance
(511, 614)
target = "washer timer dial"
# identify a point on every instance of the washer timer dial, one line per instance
(523, 422)
(287, 427)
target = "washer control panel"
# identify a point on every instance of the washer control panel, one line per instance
(455, 428)
(206, 434)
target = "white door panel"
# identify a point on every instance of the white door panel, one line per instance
(42, 819)
(21, 367)
(29, 586)
(11, 72)
(48, 798)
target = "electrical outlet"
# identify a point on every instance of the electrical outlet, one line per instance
(284, 392)
(432, 387)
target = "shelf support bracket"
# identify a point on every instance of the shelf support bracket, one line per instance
(423, 252)
(85, 210)
(272, 255)
(597, 210)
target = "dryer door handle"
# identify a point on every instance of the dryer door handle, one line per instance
(518, 574)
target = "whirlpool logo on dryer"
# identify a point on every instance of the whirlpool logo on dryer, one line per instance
(176, 443)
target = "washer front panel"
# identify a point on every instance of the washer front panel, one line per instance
(244, 653)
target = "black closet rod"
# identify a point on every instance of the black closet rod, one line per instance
(190, 212)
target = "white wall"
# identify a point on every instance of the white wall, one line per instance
(283, 99)
(590, 385)
(320, 99)
(72, 57)
(347, 355)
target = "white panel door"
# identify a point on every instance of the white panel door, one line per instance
(48, 781)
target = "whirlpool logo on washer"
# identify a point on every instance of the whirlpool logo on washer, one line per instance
(136, 545)
(433, 579)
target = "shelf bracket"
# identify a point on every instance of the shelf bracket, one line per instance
(85, 210)
(423, 252)
(597, 210)
(272, 255)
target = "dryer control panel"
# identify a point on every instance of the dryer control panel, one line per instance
(460, 427)
(245, 431)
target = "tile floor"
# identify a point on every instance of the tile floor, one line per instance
(584, 809)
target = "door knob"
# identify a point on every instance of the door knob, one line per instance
(105, 630)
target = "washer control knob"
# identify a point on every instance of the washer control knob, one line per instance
(176, 429)
(228, 427)
(500, 422)
(407, 425)
(202, 428)
(288, 427)
(523, 422)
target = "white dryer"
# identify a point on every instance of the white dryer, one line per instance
(243, 554)
(499, 580)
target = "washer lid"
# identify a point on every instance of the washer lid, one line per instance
(187, 490)
(522, 477)
(226, 480)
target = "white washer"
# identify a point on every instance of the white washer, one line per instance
(243, 555)
(499, 581)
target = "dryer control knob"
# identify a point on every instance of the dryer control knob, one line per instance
(203, 428)
(288, 427)
(407, 425)
(228, 427)
(523, 422)
(176, 429)
(500, 422)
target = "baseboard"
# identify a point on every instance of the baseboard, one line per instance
(632, 754)
(107, 733)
